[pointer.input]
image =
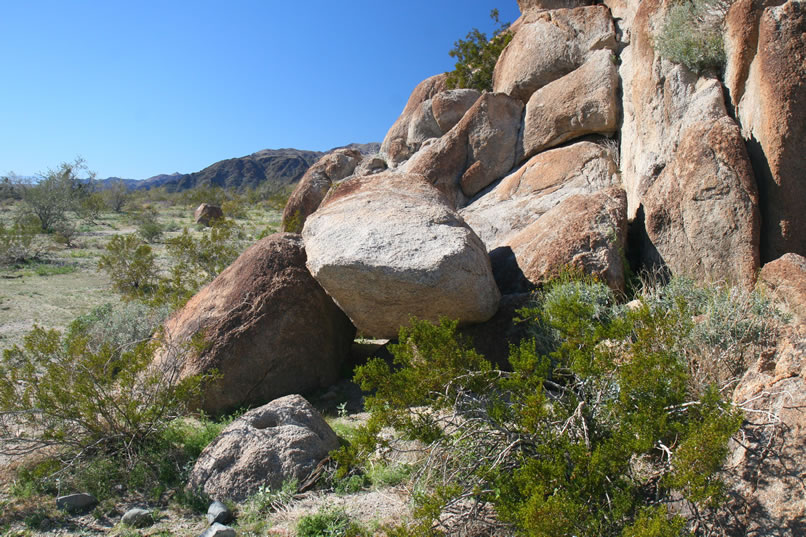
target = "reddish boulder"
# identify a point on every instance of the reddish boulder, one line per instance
(786, 277)
(268, 329)
(205, 214)
(313, 186)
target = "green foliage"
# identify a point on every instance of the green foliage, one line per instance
(148, 225)
(476, 57)
(19, 241)
(332, 522)
(131, 265)
(67, 392)
(597, 427)
(692, 34)
(57, 192)
(116, 196)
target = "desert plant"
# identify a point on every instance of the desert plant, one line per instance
(19, 241)
(131, 265)
(148, 225)
(116, 196)
(692, 34)
(593, 432)
(329, 522)
(202, 258)
(476, 57)
(57, 192)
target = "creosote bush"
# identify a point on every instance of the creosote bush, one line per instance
(597, 429)
(476, 57)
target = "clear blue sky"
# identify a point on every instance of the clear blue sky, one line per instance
(144, 87)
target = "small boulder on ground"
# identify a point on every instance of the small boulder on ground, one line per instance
(218, 530)
(267, 446)
(269, 329)
(218, 512)
(138, 518)
(205, 214)
(73, 503)
(389, 246)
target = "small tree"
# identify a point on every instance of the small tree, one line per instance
(131, 265)
(116, 196)
(57, 192)
(476, 57)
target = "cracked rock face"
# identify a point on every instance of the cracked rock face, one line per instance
(268, 329)
(280, 441)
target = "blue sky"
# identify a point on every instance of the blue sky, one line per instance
(144, 87)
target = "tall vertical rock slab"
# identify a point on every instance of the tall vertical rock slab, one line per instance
(766, 77)
(701, 214)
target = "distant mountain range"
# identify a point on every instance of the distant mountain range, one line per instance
(279, 166)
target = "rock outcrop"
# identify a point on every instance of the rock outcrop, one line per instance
(701, 214)
(475, 152)
(766, 79)
(395, 148)
(268, 329)
(585, 231)
(314, 185)
(536, 187)
(282, 440)
(551, 44)
(205, 214)
(786, 277)
(582, 102)
(387, 247)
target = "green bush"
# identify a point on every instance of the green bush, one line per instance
(131, 265)
(692, 34)
(148, 225)
(332, 522)
(594, 431)
(19, 241)
(476, 57)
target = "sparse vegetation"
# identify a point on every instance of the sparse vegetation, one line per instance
(476, 56)
(692, 34)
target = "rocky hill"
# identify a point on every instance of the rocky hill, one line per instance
(278, 166)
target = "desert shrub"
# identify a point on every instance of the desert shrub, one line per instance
(148, 225)
(197, 260)
(131, 265)
(329, 522)
(234, 208)
(476, 57)
(120, 326)
(19, 241)
(692, 34)
(65, 232)
(115, 196)
(57, 192)
(594, 431)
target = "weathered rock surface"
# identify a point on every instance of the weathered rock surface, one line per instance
(370, 165)
(80, 501)
(584, 231)
(701, 215)
(218, 530)
(282, 440)
(582, 102)
(766, 79)
(389, 246)
(205, 214)
(765, 471)
(661, 100)
(449, 107)
(539, 185)
(395, 148)
(220, 513)
(269, 329)
(313, 186)
(786, 277)
(475, 152)
(531, 5)
(550, 45)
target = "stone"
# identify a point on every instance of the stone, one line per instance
(277, 442)
(550, 45)
(449, 107)
(582, 102)
(585, 231)
(268, 327)
(218, 530)
(78, 502)
(138, 518)
(395, 148)
(539, 185)
(786, 277)
(311, 189)
(389, 246)
(766, 79)
(475, 152)
(701, 214)
(205, 214)
(422, 126)
(532, 5)
(370, 165)
(220, 513)
(765, 477)
(660, 101)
